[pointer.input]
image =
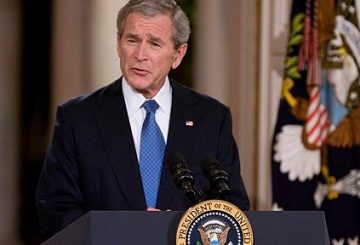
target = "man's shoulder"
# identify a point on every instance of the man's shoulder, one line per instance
(194, 97)
(98, 96)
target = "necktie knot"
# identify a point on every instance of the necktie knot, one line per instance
(150, 106)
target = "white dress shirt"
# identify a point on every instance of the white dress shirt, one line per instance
(137, 113)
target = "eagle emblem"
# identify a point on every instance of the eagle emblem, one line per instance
(214, 232)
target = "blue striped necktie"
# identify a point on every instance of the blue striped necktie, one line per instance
(152, 146)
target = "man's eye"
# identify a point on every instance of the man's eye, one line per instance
(155, 44)
(131, 40)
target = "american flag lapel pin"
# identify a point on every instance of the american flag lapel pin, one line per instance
(189, 123)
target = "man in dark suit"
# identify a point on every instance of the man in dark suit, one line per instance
(95, 159)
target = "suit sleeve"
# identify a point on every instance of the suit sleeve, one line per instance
(59, 199)
(228, 155)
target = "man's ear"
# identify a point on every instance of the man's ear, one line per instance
(179, 55)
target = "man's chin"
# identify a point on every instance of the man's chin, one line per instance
(139, 83)
(145, 91)
(139, 87)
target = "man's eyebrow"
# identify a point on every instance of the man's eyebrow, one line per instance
(152, 38)
(156, 39)
(132, 35)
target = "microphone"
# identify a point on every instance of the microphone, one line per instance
(183, 177)
(217, 177)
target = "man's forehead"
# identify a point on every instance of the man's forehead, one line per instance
(158, 26)
(160, 18)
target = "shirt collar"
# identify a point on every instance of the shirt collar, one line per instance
(134, 99)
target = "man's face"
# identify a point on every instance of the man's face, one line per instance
(147, 53)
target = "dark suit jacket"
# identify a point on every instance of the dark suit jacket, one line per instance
(91, 163)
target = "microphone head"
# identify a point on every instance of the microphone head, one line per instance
(217, 177)
(182, 176)
(208, 165)
(179, 169)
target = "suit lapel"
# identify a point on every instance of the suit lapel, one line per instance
(114, 128)
(180, 139)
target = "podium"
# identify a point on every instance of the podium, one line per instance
(159, 228)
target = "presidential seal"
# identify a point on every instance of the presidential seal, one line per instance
(214, 222)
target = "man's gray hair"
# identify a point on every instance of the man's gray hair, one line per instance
(151, 8)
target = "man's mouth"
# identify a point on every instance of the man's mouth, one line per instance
(139, 71)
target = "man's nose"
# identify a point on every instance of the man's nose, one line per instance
(141, 52)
